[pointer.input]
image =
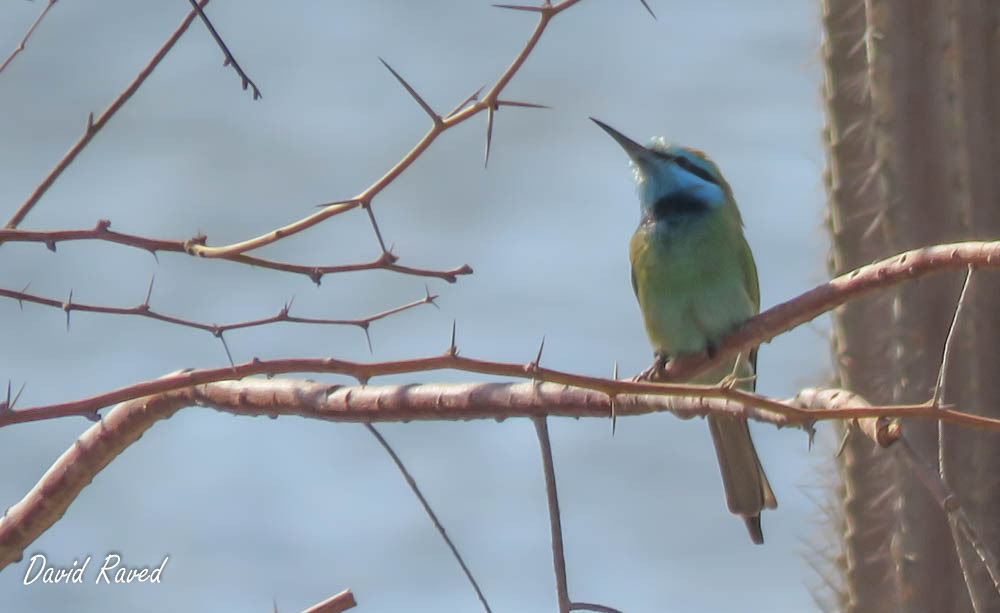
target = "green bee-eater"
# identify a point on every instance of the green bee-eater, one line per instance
(695, 280)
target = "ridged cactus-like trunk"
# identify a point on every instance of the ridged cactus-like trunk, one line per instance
(913, 105)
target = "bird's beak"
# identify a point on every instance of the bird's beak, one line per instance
(639, 154)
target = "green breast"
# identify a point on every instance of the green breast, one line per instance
(695, 282)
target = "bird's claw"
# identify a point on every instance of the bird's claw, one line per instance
(654, 372)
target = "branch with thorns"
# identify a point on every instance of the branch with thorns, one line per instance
(102, 232)
(144, 309)
(489, 102)
(765, 326)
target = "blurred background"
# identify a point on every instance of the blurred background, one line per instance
(256, 513)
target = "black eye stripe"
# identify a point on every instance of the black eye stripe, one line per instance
(690, 166)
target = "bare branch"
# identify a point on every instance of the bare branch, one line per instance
(98, 446)
(102, 232)
(706, 399)
(93, 127)
(230, 60)
(939, 387)
(829, 295)
(24, 41)
(950, 504)
(430, 513)
(555, 522)
(334, 604)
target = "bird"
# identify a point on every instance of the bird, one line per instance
(695, 280)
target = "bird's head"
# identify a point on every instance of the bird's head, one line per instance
(673, 181)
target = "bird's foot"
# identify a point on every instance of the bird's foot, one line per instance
(731, 381)
(655, 371)
(734, 379)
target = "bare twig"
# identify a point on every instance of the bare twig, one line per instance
(950, 504)
(555, 526)
(102, 232)
(94, 126)
(244, 79)
(430, 513)
(24, 41)
(939, 387)
(555, 523)
(334, 604)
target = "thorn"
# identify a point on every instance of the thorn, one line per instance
(90, 121)
(810, 428)
(10, 405)
(20, 301)
(429, 298)
(427, 109)
(316, 276)
(367, 206)
(103, 225)
(489, 135)
(538, 356)
(649, 10)
(614, 414)
(94, 417)
(474, 96)
(68, 306)
(452, 349)
(225, 346)
(528, 105)
(368, 337)
(523, 7)
(50, 245)
(149, 292)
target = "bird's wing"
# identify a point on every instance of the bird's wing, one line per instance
(752, 284)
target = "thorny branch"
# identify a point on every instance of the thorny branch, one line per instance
(230, 60)
(764, 326)
(826, 296)
(94, 126)
(102, 232)
(490, 102)
(217, 330)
